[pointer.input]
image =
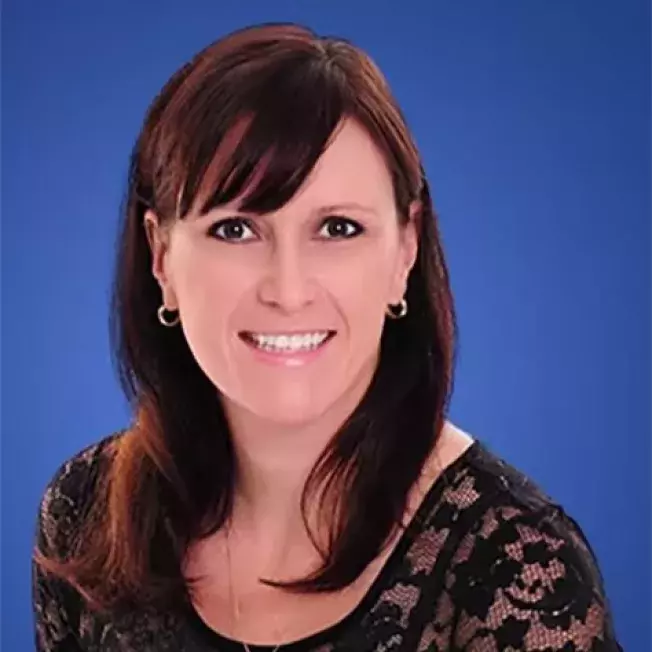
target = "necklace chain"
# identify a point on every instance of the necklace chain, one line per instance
(246, 647)
(234, 607)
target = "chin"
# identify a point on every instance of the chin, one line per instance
(289, 414)
(291, 409)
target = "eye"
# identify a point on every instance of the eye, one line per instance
(340, 228)
(232, 229)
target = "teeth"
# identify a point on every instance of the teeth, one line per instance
(289, 342)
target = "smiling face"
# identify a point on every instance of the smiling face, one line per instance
(284, 312)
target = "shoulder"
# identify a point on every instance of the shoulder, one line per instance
(522, 573)
(71, 492)
(67, 499)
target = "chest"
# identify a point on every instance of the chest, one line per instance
(242, 608)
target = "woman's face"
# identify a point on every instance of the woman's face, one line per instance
(284, 312)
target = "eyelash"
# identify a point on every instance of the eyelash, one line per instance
(240, 221)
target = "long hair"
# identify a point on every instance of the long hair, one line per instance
(273, 93)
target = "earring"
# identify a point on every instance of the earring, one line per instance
(162, 317)
(398, 311)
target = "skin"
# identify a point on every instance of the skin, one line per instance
(333, 258)
(285, 273)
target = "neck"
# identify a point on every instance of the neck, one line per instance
(273, 462)
(271, 472)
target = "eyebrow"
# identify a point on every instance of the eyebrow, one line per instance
(344, 207)
(322, 211)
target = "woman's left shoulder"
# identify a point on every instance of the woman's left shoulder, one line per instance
(523, 572)
(514, 521)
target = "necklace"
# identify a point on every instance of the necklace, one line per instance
(234, 604)
(246, 647)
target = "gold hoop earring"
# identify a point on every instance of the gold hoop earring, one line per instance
(398, 311)
(162, 317)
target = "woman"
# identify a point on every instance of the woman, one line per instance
(285, 333)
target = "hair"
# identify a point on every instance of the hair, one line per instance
(273, 93)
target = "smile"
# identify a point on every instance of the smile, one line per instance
(287, 342)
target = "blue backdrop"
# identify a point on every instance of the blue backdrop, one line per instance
(534, 121)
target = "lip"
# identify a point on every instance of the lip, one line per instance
(303, 331)
(287, 358)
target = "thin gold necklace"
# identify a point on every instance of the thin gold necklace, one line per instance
(234, 606)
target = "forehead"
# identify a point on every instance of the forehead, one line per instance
(344, 167)
(352, 168)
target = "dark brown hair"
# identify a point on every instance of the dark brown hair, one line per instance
(273, 93)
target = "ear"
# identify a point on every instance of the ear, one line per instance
(158, 237)
(409, 248)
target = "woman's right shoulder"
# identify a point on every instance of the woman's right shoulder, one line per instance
(72, 491)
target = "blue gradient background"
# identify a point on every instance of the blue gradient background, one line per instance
(534, 122)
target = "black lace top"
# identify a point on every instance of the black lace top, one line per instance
(487, 563)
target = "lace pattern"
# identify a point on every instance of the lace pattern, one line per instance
(491, 564)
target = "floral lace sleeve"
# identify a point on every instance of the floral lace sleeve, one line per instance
(56, 605)
(528, 581)
(54, 631)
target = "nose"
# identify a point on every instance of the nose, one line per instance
(287, 284)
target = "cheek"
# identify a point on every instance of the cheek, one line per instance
(207, 295)
(371, 271)
(206, 281)
(361, 286)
